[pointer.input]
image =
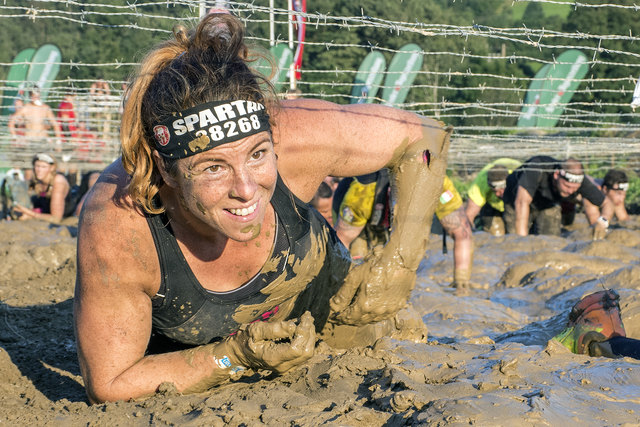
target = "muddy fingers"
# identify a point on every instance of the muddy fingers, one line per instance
(276, 345)
(341, 300)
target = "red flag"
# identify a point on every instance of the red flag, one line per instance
(301, 7)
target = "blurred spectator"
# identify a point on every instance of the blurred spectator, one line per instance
(17, 140)
(35, 119)
(66, 115)
(18, 104)
(100, 99)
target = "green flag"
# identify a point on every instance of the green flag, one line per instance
(45, 65)
(282, 56)
(368, 78)
(16, 78)
(529, 116)
(563, 79)
(403, 70)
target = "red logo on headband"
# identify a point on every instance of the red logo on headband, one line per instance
(162, 134)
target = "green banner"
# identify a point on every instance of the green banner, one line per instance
(368, 78)
(403, 70)
(529, 115)
(282, 56)
(564, 76)
(16, 79)
(45, 65)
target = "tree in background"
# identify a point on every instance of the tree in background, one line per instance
(109, 43)
(603, 21)
(457, 68)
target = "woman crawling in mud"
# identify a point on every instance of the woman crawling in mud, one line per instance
(198, 256)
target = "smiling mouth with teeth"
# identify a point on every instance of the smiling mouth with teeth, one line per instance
(244, 211)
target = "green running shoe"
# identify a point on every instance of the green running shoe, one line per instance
(595, 318)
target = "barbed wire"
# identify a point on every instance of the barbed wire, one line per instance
(584, 128)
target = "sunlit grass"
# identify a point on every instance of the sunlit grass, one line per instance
(550, 9)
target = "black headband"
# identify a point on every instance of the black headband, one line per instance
(208, 125)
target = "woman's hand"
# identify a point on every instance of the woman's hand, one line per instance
(25, 213)
(374, 290)
(275, 345)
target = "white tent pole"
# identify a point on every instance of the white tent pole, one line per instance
(272, 30)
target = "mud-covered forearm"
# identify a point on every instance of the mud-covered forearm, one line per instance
(276, 346)
(620, 212)
(417, 177)
(522, 216)
(457, 226)
(224, 363)
(188, 370)
(472, 210)
(376, 289)
(607, 209)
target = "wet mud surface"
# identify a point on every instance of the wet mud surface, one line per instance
(487, 359)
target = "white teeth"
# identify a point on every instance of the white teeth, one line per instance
(244, 211)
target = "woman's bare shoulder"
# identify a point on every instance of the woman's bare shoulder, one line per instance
(113, 232)
(59, 180)
(108, 196)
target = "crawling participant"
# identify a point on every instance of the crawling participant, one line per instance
(595, 328)
(485, 195)
(614, 186)
(198, 254)
(536, 191)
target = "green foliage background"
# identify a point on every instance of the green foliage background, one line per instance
(83, 44)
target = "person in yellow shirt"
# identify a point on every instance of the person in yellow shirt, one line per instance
(485, 195)
(362, 218)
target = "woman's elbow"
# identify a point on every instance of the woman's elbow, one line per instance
(96, 394)
(103, 394)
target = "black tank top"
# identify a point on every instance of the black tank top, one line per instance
(42, 201)
(185, 314)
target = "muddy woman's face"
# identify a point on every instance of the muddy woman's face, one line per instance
(229, 187)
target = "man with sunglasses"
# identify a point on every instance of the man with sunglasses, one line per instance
(536, 190)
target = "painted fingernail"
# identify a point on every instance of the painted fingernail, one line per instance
(426, 157)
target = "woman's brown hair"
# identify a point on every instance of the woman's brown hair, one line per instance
(205, 65)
